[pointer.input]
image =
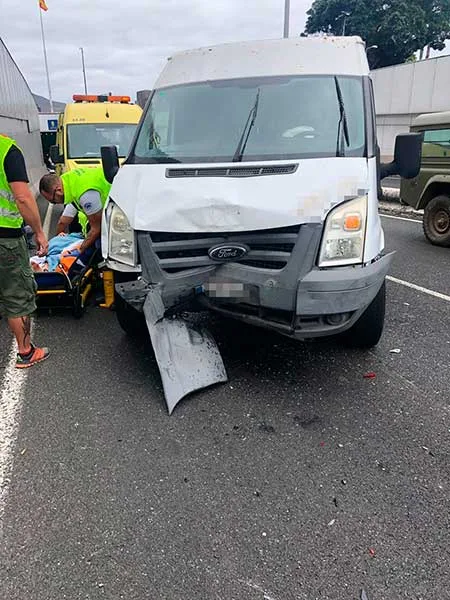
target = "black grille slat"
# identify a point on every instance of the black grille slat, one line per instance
(271, 256)
(235, 171)
(268, 249)
(186, 262)
(263, 264)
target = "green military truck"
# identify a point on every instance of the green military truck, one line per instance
(430, 190)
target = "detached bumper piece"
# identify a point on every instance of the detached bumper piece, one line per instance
(187, 355)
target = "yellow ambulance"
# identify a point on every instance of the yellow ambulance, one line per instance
(89, 123)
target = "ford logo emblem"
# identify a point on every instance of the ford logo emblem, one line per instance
(228, 252)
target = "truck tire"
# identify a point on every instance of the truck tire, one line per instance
(367, 330)
(131, 320)
(436, 221)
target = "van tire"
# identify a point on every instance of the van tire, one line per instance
(367, 330)
(436, 221)
(131, 320)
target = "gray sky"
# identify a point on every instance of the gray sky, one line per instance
(126, 42)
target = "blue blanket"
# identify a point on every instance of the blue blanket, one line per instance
(57, 244)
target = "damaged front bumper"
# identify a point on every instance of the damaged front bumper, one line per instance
(326, 302)
(277, 287)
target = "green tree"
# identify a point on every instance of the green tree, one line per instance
(398, 27)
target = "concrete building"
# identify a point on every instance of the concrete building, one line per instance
(19, 116)
(405, 91)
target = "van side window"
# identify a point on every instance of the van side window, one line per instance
(436, 143)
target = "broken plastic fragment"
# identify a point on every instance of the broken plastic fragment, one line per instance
(370, 375)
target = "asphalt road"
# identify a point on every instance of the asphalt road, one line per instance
(392, 182)
(299, 479)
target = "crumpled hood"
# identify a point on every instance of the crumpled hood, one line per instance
(153, 202)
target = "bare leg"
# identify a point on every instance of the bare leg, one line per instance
(21, 328)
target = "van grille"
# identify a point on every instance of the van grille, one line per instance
(233, 171)
(269, 248)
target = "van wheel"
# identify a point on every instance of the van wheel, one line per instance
(131, 320)
(367, 330)
(436, 221)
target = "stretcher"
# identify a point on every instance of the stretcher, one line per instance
(69, 289)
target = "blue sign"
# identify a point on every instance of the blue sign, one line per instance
(52, 124)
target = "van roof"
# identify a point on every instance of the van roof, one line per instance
(95, 112)
(321, 55)
(438, 118)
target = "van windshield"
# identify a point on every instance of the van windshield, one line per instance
(288, 118)
(85, 141)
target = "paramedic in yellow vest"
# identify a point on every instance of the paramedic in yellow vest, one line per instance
(72, 221)
(17, 285)
(87, 190)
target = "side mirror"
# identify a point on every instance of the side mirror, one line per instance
(55, 156)
(110, 162)
(407, 157)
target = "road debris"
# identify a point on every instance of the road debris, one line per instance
(364, 596)
(370, 375)
(395, 351)
(332, 522)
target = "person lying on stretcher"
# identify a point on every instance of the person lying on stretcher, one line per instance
(63, 253)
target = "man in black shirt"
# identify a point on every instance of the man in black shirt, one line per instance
(17, 285)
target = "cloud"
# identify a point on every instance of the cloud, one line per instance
(126, 42)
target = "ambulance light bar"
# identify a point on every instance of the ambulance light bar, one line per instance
(89, 98)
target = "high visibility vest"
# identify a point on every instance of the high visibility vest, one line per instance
(84, 222)
(77, 182)
(9, 213)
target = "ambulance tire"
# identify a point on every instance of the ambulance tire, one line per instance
(367, 330)
(131, 320)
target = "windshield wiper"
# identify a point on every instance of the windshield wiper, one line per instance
(247, 130)
(343, 134)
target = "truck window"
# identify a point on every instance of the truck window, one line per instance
(436, 143)
(85, 141)
(297, 117)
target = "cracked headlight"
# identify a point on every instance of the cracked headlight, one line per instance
(345, 234)
(122, 243)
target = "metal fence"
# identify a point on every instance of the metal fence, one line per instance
(19, 116)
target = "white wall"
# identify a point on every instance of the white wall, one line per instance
(405, 91)
(19, 115)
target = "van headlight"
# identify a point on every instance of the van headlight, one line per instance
(345, 234)
(122, 243)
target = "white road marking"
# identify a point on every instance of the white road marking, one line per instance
(419, 288)
(11, 396)
(400, 218)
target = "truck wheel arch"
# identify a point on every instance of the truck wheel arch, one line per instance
(437, 186)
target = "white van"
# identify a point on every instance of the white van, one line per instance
(252, 189)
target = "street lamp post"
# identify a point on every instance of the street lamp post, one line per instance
(345, 16)
(84, 70)
(287, 12)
